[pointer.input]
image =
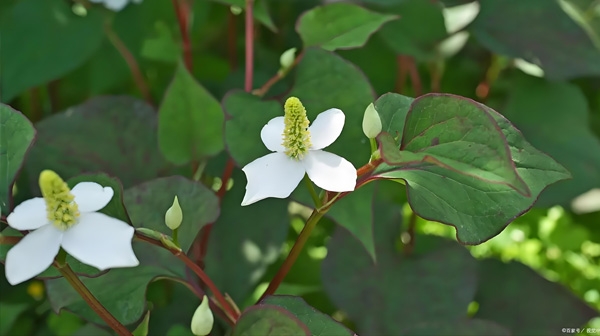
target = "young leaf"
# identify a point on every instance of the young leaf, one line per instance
(190, 121)
(339, 26)
(16, 137)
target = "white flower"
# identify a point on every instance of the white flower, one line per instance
(68, 219)
(298, 151)
(116, 5)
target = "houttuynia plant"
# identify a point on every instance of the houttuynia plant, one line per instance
(391, 167)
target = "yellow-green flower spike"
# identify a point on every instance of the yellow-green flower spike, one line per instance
(62, 211)
(296, 136)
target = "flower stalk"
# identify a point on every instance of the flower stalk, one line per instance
(90, 299)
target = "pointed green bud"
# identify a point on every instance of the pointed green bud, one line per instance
(203, 319)
(174, 215)
(286, 60)
(371, 124)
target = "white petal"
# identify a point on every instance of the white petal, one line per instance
(29, 215)
(33, 254)
(329, 171)
(91, 197)
(326, 128)
(273, 175)
(272, 134)
(100, 241)
(115, 5)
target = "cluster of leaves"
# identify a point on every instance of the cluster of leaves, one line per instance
(462, 163)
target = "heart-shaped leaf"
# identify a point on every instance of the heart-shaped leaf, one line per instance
(479, 210)
(339, 26)
(16, 137)
(457, 134)
(190, 121)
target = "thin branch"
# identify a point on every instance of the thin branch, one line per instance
(131, 62)
(182, 9)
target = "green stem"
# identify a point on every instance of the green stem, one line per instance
(91, 300)
(176, 236)
(294, 253)
(373, 143)
(312, 191)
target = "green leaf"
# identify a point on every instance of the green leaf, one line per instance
(477, 209)
(418, 31)
(268, 320)
(318, 323)
(464, 327)
(190, 121)
(58, 41)
(249, 237)
(555, 118)
(457, 134)
(339, 26)
(115, 135)
(517, 297)
(123, 291)
(148, 202)
(16, 137)
(539, 32)
(435, 283)
(142, 328)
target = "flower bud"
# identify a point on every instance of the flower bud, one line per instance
(203, 320)
(287, 59)
(371, 124)
(235, 10)
(174, 215)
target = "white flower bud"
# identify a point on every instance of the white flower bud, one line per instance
(203, 319)
(371, 124)
(287, 59)
(174, 215)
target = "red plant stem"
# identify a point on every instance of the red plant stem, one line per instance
(205, 232)
(91, 300)
(249, 45)
(199, 272)
(131, 62)
(402, 74)
(182, 9)
(273, 80)
(9, 240)
(414, 77)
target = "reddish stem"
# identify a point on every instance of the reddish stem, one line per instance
(402, 74)
(414, 77)
(182, 9)
(199, 272)
(228, 171)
